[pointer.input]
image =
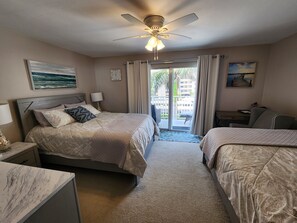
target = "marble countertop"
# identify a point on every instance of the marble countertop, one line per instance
(24, 189)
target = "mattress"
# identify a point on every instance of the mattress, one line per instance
(116, 138)
(260, 181)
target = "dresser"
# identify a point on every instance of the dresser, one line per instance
(33, 195)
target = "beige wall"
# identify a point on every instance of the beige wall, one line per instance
(115, 93)
(276, 71)
(280, 89)
(14, 80)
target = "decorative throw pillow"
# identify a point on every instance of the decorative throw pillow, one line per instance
(40, 117)
(58, 118)
(74, 105)
(80, 114)
(93, 110)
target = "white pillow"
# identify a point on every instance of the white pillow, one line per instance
(41, 119)
(91, 109)
(58, 118)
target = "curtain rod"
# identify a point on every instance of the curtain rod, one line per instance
(180, 60)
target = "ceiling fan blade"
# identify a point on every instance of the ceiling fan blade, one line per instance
(174, 34)
(130, 37)
(164, 36)
(132, 19)
(182, 21)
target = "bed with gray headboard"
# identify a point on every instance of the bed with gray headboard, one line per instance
(28, 122)
(27, 105)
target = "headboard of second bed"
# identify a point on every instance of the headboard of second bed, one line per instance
(27, 105)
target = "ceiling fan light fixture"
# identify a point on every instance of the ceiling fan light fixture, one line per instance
(160, 45)
(154, 42)
(149, 47)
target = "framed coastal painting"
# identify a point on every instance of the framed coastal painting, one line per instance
(51, 76)
(241, 74)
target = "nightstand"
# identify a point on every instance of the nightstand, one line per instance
(22, 153)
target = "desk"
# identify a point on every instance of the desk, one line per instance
(224, 118)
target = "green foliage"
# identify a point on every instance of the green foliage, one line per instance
(175, 88)
(160, 77)
(185, 73)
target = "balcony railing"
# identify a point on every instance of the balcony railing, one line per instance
(182, 111)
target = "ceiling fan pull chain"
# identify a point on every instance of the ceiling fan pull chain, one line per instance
(155, 53)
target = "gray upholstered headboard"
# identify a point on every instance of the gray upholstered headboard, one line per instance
(26, 105)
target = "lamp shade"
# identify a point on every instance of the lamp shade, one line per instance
(5, 115)
(95, 97)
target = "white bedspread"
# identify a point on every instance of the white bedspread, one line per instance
(260, 181)
(115, 138)
(217, 137)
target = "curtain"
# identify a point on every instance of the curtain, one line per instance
(207, 81)
(138, 87)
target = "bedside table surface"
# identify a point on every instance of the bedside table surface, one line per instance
(16, 148)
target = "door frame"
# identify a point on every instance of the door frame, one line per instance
(171, 68)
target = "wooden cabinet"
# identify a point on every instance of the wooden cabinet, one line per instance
(22, 153)
(224, 118)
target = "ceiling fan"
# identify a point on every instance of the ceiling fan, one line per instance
(156, 30)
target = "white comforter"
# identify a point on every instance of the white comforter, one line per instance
(115, 138)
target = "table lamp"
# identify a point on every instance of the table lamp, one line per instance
(5, 118)
(97, 97)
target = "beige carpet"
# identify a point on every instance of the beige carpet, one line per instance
(176, 188)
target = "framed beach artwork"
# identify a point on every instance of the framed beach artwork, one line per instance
(50, 76)
(241, 74)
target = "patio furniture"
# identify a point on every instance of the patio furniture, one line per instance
(156, 113)
(188, 116)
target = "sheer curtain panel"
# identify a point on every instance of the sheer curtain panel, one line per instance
(138, 87)
(207, 81)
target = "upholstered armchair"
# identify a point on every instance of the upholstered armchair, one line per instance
(263, 118)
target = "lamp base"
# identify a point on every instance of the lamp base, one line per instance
(4, 148)
(98, 106)
(4, 143)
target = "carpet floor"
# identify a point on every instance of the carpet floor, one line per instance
(178, 136)
(176, 187)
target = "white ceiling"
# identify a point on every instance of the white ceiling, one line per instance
(89, 26)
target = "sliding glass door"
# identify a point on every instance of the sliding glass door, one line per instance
(173, 90)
